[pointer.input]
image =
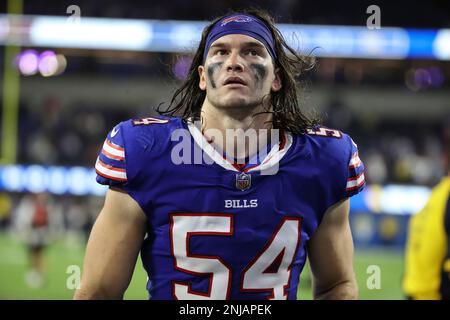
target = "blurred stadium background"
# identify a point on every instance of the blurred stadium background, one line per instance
(65, 81)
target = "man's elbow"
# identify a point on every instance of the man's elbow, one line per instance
(343, 290)
(83, 295)
(96, 294)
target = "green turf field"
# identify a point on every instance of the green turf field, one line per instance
(69, 251)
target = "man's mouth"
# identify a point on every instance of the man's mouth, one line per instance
(234, 81)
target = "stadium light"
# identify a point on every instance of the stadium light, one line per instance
(57, 180)
(28, 62)
(184, 36)
(391, 199)
(90, 33)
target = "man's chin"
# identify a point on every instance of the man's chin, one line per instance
(238, 103)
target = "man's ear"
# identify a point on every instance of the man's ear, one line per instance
(201, 74)
(276, 84)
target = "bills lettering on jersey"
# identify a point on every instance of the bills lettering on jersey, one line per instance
(252, 203)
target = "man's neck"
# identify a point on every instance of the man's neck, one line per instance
(239, 133)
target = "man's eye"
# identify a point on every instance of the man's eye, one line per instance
(252, 52)
(221, 52)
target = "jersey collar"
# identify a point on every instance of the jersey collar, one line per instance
(270, 161)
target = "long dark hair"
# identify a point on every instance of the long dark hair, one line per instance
(287, 114)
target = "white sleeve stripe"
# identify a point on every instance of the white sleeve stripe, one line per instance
(111, 149)
(111, 156)
(355, 161)
(352, 183)
(114, 146)
(110, 172)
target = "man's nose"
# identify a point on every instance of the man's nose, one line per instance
(234, 62)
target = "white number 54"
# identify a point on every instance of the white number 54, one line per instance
(258, 276)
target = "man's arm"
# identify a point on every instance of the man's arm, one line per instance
(113, 248)
(330, 253)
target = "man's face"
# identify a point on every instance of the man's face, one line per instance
(238, 72)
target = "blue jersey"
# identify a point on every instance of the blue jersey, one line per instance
(217, 230)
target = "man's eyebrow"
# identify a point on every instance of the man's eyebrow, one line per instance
(253, 44)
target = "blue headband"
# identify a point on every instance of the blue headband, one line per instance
(241, 24)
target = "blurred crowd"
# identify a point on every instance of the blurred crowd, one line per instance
(395, 151)
(54, 135)
(38, 220)
(405, 152)
(60, 215)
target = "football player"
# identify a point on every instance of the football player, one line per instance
(238, 221)
(427, 254)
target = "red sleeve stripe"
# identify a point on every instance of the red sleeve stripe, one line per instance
(355, 182)
(355, 178)
(110, 172)
(113, 149)
(356, 187)
(111, 156)
(283, 140)
(114, 146)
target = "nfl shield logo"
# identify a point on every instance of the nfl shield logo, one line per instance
(243, 181)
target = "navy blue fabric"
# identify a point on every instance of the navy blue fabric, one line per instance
(241, 24)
